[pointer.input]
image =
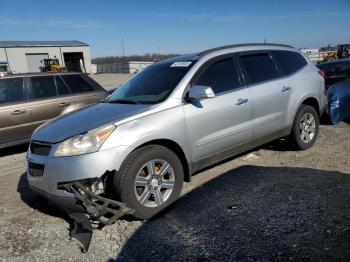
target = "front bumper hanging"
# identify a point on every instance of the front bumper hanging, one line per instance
(99, 209)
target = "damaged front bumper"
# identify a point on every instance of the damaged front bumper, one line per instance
(70, 184)
(86, 206)
(100, 209)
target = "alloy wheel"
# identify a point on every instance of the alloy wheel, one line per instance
(154, 183)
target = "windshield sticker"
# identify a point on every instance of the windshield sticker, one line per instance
(181, 64)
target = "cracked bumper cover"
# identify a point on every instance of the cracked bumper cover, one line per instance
(59, 183)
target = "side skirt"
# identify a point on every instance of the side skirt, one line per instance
(228, 153)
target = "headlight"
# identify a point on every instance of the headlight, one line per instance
(85, 143)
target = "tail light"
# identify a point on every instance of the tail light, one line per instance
(322, 73)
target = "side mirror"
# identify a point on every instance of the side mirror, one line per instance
(198, 92)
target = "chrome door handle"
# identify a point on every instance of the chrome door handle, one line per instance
(63, 104)
(285, 89)
(241, 101)
(18, 112)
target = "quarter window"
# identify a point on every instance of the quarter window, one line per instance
(43, 87)
(289, 61)
(259, 67)
(11, 90)
(221, 76)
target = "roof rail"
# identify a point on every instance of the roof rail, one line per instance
(240, 45)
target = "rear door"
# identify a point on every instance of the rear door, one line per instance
(15, 118)
(269, 91)
(49, 98)
(223, 122)
(85, 90)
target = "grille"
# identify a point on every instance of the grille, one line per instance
(38, 148)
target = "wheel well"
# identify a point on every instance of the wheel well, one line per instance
(173, 146)
(312, 102)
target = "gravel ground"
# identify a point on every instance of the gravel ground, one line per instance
(269, 204)
(109, 81)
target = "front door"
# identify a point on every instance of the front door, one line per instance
(15, 117)
(223, 122)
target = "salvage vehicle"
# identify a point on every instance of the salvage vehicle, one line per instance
(335, 71)
(29, 100)
(131, 153)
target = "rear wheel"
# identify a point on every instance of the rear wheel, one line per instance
(149, 180)
(305, 128)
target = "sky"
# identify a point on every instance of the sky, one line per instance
(181, 26)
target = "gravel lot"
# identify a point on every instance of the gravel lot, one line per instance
(269, 204)
(109, 81)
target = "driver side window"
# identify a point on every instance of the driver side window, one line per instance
(222, 76)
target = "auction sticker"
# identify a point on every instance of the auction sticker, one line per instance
(181, 64)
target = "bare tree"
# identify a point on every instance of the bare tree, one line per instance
(146, 57)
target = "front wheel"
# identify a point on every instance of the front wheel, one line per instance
(149, 180)
(305, 128)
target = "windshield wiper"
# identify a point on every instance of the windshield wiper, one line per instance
(123, 101)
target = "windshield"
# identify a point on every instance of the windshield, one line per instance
(154, 84)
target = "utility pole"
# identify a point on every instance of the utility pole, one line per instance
(123, 47)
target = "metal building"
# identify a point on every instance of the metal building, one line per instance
(27, 56)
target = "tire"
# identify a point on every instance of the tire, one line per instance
(296, 136)
(139, 164)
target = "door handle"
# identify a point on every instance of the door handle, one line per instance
(241, 101)
(63, 104)
(285, 89)
(18, 112)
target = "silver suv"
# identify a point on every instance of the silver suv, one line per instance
(133, 152)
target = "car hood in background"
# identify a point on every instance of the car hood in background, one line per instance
(85, 119)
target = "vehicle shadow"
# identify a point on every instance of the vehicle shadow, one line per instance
(281, 144)
(35, 201)
(14, 150)
(252, 213)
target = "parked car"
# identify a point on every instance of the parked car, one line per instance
(29, 100)
(335, 71)
(338, 96)
(134, 151)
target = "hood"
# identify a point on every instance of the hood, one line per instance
(85, 119)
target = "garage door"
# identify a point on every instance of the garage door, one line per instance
(35, 61)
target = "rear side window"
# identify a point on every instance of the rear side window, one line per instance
(221, 76)
(259, 67)
(11, 90)
(62, 89)
(43, 87)
(289, 61)
(77, 84)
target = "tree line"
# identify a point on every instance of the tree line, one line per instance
(118, 59)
